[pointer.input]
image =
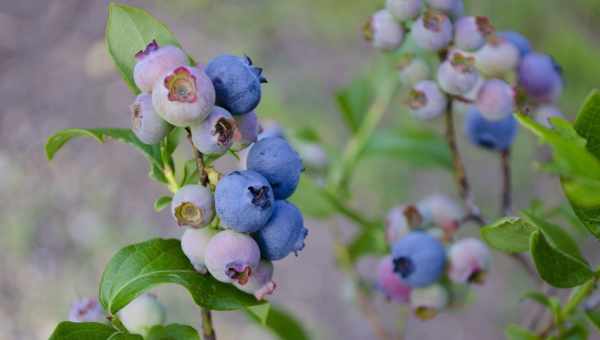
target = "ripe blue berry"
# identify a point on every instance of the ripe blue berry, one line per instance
(458, 74)
(447, 6)
(495, 99)
(389, 282)
(283, 234)
(384, 31)
(470, 32)
(270, 128)
(497, 57)
(146, 124)
(492, 135)
(426, 100)
(419, 259)
(232, 257)
(518, 40)
(237, 83)
(192, 206)
(412, 70)
(432, 31)
(247, 130)
(194, 243)
(540, 76)
(275, 159)
(153, 62)
(261, 281)
(183, 96)
(404, 10)
(427, 302)
(469, 261)
(214, 136)
(545, 112)
(244, 201)
(86, 310)
(141, 314)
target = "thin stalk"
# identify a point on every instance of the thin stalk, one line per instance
(506, 206)
(208, 330)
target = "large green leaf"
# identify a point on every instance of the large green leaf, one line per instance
(509, 234)
(555, 235)
(67, 330)
(129, 30)
(419, 147)
(556, 267)
(139, 267)
(282, 324)
(173, 332)
(587, 123)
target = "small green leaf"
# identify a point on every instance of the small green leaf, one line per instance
(419, 147)
(190, 173)
(593, 316)
(509, 234)
(369, 241)
(556, 267)
(353, 101)
(67, 330)
(577, 332)
(587, 123)
(282, 324)
(514, 332)
(260, 312)
(129, 30)
(559, 238)
(139, 267)
(162, 202)
(309, 198)
(173, 332)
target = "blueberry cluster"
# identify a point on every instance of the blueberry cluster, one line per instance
(426, 262)
(493, 73)
(236, 232)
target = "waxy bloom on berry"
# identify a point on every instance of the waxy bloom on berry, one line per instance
(192, 206)
(469, 260)
(194, 243)
(261, 281)
(232, 257)
(470, 32)
(432, 31)
(247, 130)
(384, 31)
(215, 135)
(426, 100)
(458, 74)
(148, 126)
(153, 62)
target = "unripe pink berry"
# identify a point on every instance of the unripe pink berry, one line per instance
(432, 31)
(497, 57)
(247, 130)
(183, 96)
(153, 62)
(400, 220)
(148, 126)
(457, 75)
(427, 302)
(426, 100)
(232, 257)
(470, 32)
(469, 260)
(384, 31)
(194, 243)
(215, 135)
(495, 100)
(193, 206)
(86, 310)
(442, 211)
(390, 283)
(261, 281)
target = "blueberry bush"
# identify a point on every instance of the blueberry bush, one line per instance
(437, 62)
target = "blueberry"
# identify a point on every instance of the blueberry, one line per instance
(469, 261)
(244, 201)
(192, 206)
(270, 128)
(283, 234)
(497, 57)
(495, 99)
(412, 70)
(86, 310)
(384, 31)
(457, 75)
(492, 135)
(432, 31)
(194, 243)
(247, 130)
(540, 76)
(183, 96)
(470, 32)
(237, 83)
(232, 257)
(404, 10)
(389, 283)
(419, 259)
(518, 40)
(426, 100)
(148, 126)
(153, 62)
(444, 5)
(275, 159)
(141, 314)
(427, 302)
(261, 281)
(215, 135)
(442, 210)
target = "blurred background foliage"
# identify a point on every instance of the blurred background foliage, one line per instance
(62, 221)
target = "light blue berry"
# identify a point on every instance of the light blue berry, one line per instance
(470, 32)
(492, 135)
(518, 40)
(540, 76)
(419, 259)
(432, 31)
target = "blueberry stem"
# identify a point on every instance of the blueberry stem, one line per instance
(506, 206)
(208, 330)
(199, 157)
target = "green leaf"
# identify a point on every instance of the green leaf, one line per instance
(509, 234)
(260, 312)
(593, 316)
(125, 336)
(162, 202)
(587, 123)
(556, 267)
(420, 147)
(353, 101)
(309, 198)
(514, 332)
(559, 238)
(139, 267)
(283, 325)
(129, 30)
(369, 241)
(577, 332)
(173, 332)
(190, 173)
(67, 330)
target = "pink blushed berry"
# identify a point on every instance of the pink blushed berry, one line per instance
(153, 62)
(432, 31)
(442, 211)
(232, 257)
(215, 135)
(426, 100)
(390, 283)
(194, 243)
(457, 75)
(261, 281)
(147, 125)
(497, 57)
(383, 31)
(470, 32)
(86, 310)
(495, 100)
(470, 260)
